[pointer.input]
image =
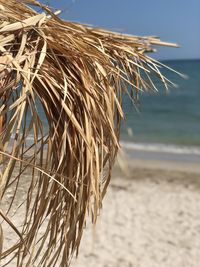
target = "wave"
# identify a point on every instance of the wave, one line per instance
(163, 148)
(148, 147)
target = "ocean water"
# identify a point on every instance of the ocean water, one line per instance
(167, 121)
(164, 123)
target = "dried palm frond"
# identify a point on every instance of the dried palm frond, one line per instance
(77, 75)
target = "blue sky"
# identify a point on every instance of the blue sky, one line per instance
(172, 20)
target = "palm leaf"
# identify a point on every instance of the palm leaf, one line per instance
(77, 75)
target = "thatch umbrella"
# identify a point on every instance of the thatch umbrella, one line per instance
(78, 75)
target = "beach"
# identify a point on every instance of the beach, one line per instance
(150, 217)
(72, 94)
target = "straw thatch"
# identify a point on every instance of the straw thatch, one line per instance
(78, 75)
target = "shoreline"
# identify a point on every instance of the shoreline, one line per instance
(161, 156)
(159, 164)
(157, 160)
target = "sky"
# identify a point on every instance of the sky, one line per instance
(172, 20)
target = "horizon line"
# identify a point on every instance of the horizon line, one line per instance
(178, 59)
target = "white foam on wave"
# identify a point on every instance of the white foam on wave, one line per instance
(30, 137)
(152, 147)
(173, 149)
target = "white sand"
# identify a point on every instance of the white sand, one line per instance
(149, 219)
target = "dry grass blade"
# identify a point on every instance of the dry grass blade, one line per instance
(78, 76)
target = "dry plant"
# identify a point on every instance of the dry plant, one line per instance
(78, 75)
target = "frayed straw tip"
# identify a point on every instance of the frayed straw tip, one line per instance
(56, 13)
(185, 76)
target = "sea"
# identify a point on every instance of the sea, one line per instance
(166, 124)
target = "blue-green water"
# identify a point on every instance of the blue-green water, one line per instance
(167, 122)
(168, 119)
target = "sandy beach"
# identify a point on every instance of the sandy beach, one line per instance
(150, 218)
